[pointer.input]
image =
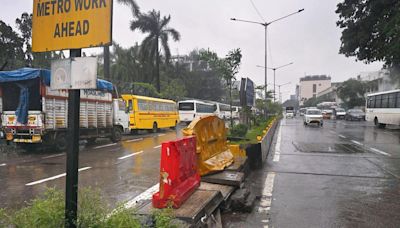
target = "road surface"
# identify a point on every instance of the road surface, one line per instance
(344, 174)
(120, 170)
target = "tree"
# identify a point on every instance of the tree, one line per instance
(227, 68)
(12, 53)
(371, 31)
(352, 92)
(158, 32)
(40, 59)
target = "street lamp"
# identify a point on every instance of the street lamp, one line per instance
(279, 90)
(274, 69)
(265, 25)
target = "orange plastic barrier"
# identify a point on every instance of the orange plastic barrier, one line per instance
(178, 173)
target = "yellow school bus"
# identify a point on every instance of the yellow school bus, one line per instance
(150, 113)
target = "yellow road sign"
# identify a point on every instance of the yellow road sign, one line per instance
(70, 24)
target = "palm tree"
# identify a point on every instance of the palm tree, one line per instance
(158, 32)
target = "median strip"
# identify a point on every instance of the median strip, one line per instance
(130, 155)
(107, 145)
(54, 177)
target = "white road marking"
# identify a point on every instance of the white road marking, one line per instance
(3, 164)
(134, 140)
(356, 142)
(380, 152)
(107, 145)
(130, 155)
(53, 156)
(333, 132)
(146, 195)
(54, 177)
(161, 135)
(277, 153)
(342, 136)
(159, 146)
(266, 198)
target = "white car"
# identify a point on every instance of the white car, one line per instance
(313, 116)
(289, 115)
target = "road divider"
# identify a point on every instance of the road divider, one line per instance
(103, 146)
(277, 153)
(179, 177)
(130, 155)
(54, 177)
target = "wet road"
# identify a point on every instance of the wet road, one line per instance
(345, 174)
(120, 170)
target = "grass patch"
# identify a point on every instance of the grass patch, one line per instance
(251, 135)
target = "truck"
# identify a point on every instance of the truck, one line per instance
(33, 113)
(290, 112)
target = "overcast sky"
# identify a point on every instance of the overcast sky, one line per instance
(310, 39)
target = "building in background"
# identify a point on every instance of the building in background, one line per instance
(380, 80)
(310, 86)
(330, 94)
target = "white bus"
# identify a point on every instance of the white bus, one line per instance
(223, 111)
(191, 109)
(384, 108)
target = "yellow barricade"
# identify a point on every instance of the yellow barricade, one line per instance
(237, 151)
(212, 150)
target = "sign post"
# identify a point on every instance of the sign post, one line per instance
(69, 24)
(71, 182)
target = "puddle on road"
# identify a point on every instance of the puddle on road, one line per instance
(337, 148)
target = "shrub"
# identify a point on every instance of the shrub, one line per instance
(164, 218)
(239, 130)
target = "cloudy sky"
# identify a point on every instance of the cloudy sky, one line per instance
(310, 39)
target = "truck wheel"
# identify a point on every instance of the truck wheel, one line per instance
(60, 142)
(116, 135)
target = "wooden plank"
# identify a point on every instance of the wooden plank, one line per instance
(200, 203)
(225, 190)
(226, 177)
(238, 164)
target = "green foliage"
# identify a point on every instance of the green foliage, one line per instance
(48, 211)
(122, 217)
(352, 92)
(312, 102)
(274, 108)
(370, 30)
(239, 130)
(164, 218)
(158, 32)
(11, 54)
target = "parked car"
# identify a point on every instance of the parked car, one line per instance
(313, 116)
(355, 114)
(339, 113)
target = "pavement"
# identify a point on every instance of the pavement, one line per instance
(344, 174)
(121, 171)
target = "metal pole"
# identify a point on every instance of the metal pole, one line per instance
(280, 98)
(71, 183)
(274, 85)
(266, 70)
(107, 62)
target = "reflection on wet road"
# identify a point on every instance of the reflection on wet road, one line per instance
(120, 170)
(344, 174)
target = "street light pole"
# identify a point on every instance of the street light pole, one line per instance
(274, 69)
(265, 24)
